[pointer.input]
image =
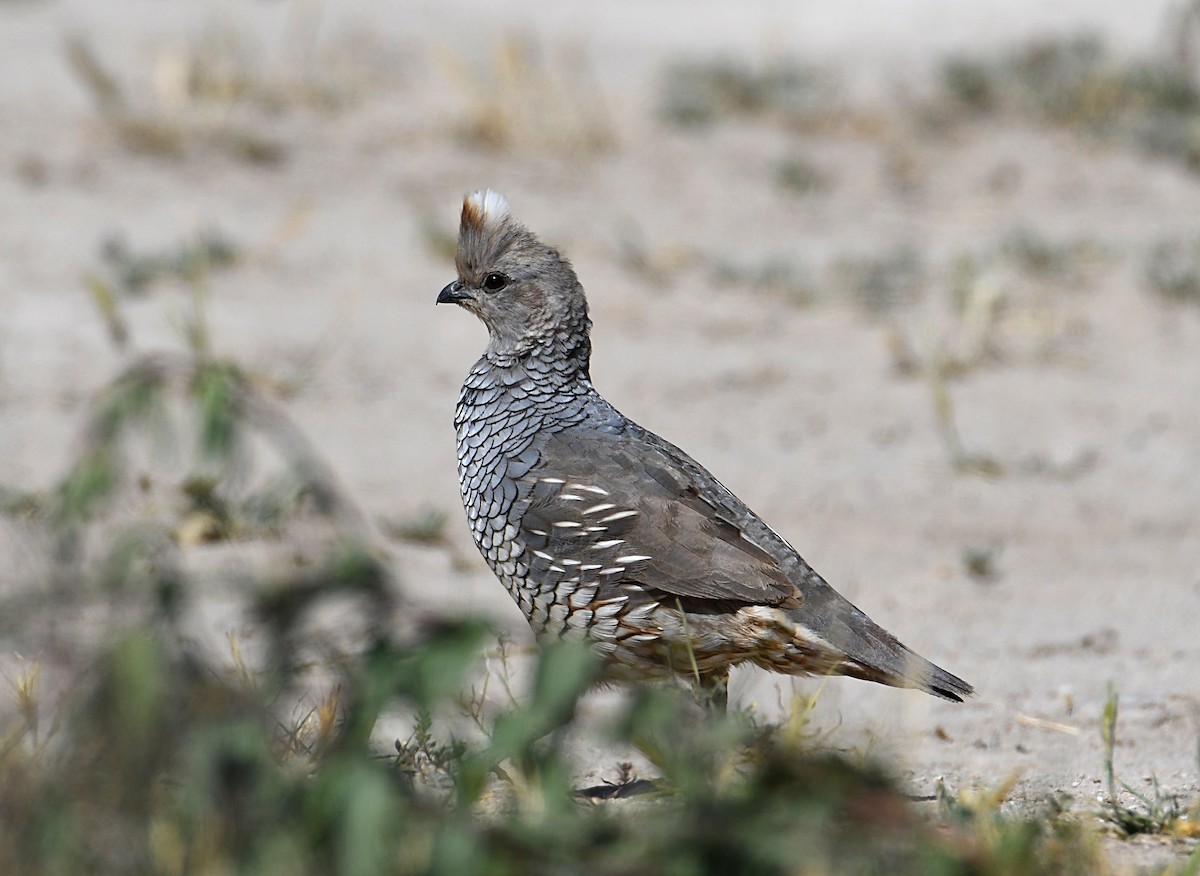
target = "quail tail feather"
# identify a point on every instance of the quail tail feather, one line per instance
(869, 652)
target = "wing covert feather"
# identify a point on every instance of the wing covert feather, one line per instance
(632, 502)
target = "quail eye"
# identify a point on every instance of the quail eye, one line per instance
(495, 282)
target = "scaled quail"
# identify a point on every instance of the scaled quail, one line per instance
(601, 530)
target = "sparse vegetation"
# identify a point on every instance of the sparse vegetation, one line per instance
(152, 128)
(700, 93)
(134, 273)
(657, 265)
(220, 89)
(980, 562)
(1158, 813)
(1172, 271)
(987, 316)
(426, 526)
(945, 422)
(1042, 257)
(881, 282)
(1076, 82)
(524, 98)
(800, 176)
(779, 276)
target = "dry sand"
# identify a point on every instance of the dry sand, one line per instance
(1093, 405)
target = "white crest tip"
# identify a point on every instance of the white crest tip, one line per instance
(486, 207)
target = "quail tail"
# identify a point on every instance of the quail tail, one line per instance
(869, 652)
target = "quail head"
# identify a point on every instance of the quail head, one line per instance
(603, 531)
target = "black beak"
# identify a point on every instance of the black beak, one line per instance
(453, 294)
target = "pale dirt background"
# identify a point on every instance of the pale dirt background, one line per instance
(799, 408)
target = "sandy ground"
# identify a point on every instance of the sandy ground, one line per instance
(801, 407)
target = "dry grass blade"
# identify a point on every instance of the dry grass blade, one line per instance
(102, 85)
(148, 133)
(1042, 724)
(526, 100)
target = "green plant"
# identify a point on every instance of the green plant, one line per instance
(1160, 813)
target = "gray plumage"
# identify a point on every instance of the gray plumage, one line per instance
(602, 530)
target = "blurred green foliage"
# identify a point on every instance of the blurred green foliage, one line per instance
(166, 766)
